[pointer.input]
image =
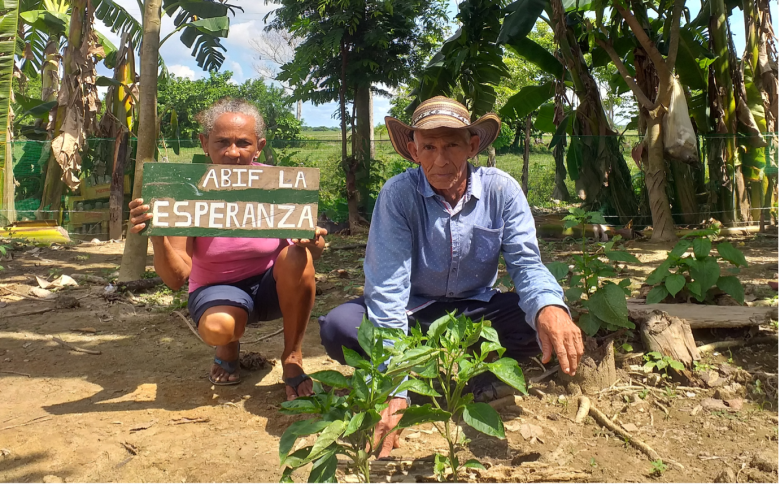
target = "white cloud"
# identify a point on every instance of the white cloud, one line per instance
(238, 71)
(182, 71)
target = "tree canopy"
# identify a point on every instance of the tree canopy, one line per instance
(188, 98)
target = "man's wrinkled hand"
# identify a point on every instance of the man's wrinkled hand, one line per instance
(389, 421)
(559, 334)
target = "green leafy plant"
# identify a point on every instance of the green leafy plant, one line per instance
(655, 360)
(702, 366)
(345, 424)
(659, 467)
(604, 300)
(453, 359)
(699, 272)
(3, 252)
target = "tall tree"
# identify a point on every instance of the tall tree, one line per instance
(275, 48)
(134, 255)
(348, 48)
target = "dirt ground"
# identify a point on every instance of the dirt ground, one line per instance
(143, 411)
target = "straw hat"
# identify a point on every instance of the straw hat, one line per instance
(439, 112)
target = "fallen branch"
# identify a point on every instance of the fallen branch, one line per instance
(583, 410)
(607, 423)
(260, 339)
(348, 246)
(187, 321)
(139, 285)
(5, 288)
(737, 343)
(74, 348)
(15, 373)
(32, 312)
(39, 419)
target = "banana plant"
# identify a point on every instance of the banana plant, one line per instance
(202, 24)
(9, 19)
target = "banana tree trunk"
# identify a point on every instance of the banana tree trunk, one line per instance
(604, 178)
(9, 21)
(685, 192)
(723, 107)
(134, 256)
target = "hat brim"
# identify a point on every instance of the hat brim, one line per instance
(486, 127)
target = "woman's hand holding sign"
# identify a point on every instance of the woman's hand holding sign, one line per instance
(139, 214)
(315, 245)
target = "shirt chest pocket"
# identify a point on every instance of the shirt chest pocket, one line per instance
(486, 245)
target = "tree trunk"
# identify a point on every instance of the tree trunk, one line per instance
(526, 154)
(668, 335)
(685, 193)
(299, 110)
(560, 192)
(134, 256)
(491, 156)
(362, 148)
(117, 192)
(372, 155)
(655, 178)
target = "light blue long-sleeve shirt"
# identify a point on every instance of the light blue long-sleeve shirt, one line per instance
(421, 250)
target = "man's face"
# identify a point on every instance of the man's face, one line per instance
(443, 154)
(233, 140)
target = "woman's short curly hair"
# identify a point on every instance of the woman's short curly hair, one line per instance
(209, 116)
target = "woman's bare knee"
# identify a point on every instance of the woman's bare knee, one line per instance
(222, 325)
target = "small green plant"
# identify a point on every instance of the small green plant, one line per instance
(81, 257)
(655, 360)
(643, 394)
(702, 366)
(450, 342)
(659, 467)
(54, 273)
(627, 347)
(697, 273)
(604, 300)
(345, 424)
(670, 392)
(593, 462)
(149, 274)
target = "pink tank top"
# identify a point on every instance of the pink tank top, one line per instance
(219, 260)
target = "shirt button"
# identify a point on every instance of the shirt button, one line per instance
(451, 293)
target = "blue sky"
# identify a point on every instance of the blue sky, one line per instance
(241, 58)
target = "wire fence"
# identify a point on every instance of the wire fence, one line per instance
(85, 212)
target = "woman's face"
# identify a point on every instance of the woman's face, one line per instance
(233, 140)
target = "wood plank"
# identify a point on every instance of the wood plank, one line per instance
(709, 316)
(203, 200)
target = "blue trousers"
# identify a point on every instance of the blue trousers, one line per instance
(339, 327)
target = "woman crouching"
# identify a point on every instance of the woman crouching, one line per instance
(233, 281)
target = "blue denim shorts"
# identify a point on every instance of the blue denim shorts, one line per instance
(256, 295)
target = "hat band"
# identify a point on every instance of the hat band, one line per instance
(446, 112)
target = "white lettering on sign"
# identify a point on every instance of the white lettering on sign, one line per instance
(300, 178)
(187, 215)
(282, 183)
(156, 214)
(216, 214)
(225, 177)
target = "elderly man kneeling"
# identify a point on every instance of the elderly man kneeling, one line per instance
(436, 235)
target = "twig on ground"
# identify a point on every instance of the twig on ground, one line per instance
(661, 407)
(545, 375)
(544, 369)
(583, 410)
(74, 348)
(187, 321)
(737, 343)
(15, 373)
(39, 419)
(260, 339)
(607, 423)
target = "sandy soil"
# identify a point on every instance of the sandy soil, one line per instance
(142, 410)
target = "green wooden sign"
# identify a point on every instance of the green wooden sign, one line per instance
(189, 199)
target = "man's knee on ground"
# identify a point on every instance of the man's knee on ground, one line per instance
(332, 334)
(217, 327)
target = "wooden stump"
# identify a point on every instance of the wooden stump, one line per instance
(668, 335)
(596, 370)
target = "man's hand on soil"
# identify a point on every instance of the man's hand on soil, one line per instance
(389, 421)
(559, 334)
